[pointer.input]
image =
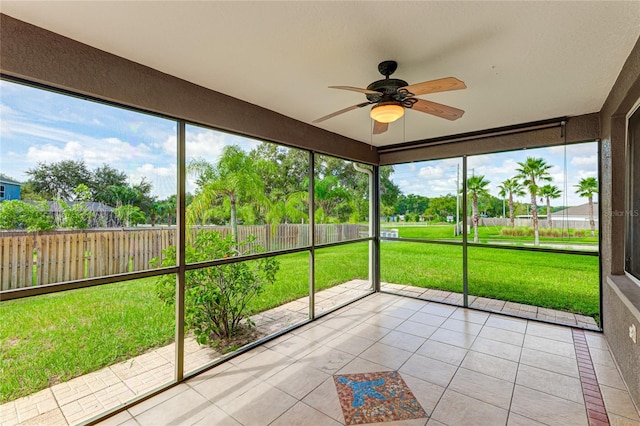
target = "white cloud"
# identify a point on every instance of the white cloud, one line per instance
(582, 161)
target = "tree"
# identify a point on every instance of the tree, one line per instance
(476, 186)
(216, 298)
(586, 188)
(129, 215)
(509, 188)
(105, 177)
(59, 180)
(549, 191)
(16, 214)
(76, 215)
(329, 194)
(233, 178)
(532, 171)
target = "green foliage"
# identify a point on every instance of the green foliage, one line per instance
(216, 298)
(59, 180)
(129, 215)
(16, 214)
(75, 216)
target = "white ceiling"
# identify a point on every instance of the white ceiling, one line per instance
(521, 61)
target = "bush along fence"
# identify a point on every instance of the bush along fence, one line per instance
(28, 259)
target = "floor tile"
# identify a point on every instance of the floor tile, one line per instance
(549, 345)
(453, 338)
(548, 331)
(350, 343)
(549, 382)
(490, 365)
(457, 409)
(327, 359)
(427, 319)
(518, 420)
(474, 317)
(398, 312)
(215, 416)
(404, 341)
(602, 357)
(616, 420)
(609, 376)
(501, 335)
(324, 398)
(265, 401)
(386, 321)
(386, 355)
(361, 365)
(548, 409)
(298, 379)
(430, 370)
(462, 326)
(505, 323)
(551, 362)
(439, 309)
(266, 364)
(618, 402)
(226, 385)
(296, 347)
(302, 414)
(370, 331)
(485, 388)
(427, 394)
(416, 328)
(181, 408)
(498, 349)
(442, 352)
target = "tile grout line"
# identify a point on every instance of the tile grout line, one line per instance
(594, 403)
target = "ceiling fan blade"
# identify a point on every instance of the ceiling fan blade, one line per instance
(356, 89)
(439, 110)
(379, 127)
(342, 111)
(433, 86)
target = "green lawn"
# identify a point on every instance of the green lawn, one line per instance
(486, 234)
(52, 338)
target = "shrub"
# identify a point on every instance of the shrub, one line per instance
(216, 298)
(520, 231)
(16, 214)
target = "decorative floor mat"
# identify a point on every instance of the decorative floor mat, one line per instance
(376, 397)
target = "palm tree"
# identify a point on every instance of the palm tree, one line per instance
(234, 178)
(532, 171)
(476, 186)
(328, 195)
(586, 188)
(549, 191)
(511, 187)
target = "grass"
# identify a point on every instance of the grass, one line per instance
(486, 234)
(565, 282)
(53, 338)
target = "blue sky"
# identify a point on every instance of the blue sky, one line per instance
(41, 126)
(434, 178)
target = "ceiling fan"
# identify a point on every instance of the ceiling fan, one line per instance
(391, 96)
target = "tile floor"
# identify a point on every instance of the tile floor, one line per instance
(464, 368)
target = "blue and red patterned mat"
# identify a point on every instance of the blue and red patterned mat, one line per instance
(376, 397)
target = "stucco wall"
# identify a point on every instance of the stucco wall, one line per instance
(621, 296)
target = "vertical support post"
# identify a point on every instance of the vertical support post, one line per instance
(312, 237)
(465, 269)
(374, 219)
(181, 259)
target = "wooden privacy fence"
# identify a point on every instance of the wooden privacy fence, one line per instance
(28, 259)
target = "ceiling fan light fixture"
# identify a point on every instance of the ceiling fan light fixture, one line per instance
(387, 112)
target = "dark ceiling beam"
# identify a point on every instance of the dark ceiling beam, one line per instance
(580, 128)
(34, 54)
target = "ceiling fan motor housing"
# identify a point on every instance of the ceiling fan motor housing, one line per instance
(389, 89)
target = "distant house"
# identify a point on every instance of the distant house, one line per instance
(9, 189)
(103, 215)
(577, 213)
